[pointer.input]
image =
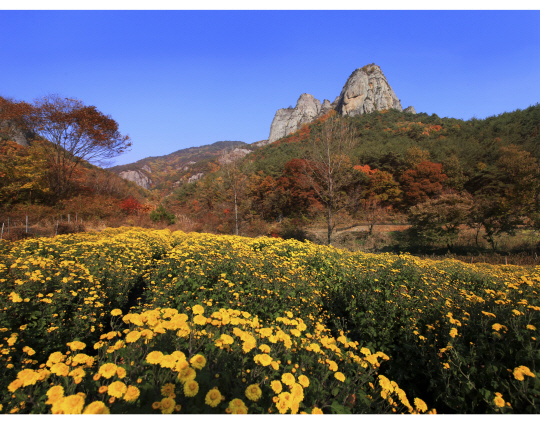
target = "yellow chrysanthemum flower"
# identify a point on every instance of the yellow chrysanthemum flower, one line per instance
(236, 404)
(56, 357)
(60, 369)
(332, 366)
(133, 336)
(226, 339)
(76, 345)
(121, 372)
(499, 401)
(116, 312)
(167, 405)
(339, 376)
(96, 407)
(453, 332)
(167, 389)
(297, 393)
(525, 371)
(199, 320)
(187, 374)
(168, 361)
(303, 380)
(77, 374)
(179, 356)
(198, 310)
(191, 388)
(132, 394)
(154, 357)
(117, 389)
(288, 379)
(253, 392)
(198, 362)
(317, 411)
(263, 359)
(72, 404)
(108, 370)
(240, 410)
(276, 386)
(420, 405)
(28, 377)
(213, 398)
(54, 394)
(264, 348)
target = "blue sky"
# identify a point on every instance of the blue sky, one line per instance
(176, 79)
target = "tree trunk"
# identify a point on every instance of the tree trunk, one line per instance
(236, 213)
(329, 225)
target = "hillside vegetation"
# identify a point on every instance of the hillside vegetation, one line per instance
(166, 171)
(441, 175)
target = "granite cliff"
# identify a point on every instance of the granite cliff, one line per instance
(366, 90)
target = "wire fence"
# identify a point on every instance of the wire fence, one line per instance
(17, 228)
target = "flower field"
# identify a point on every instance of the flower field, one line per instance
(144, 321)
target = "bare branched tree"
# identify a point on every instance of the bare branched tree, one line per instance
(236, 177)
(328, 167)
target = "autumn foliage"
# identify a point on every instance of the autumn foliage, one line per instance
(130, 205)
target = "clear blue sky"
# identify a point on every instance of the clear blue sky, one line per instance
(176, 79)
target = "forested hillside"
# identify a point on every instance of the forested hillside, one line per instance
(440, 173)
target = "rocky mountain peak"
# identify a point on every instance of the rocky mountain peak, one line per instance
(367, 90)
(289, 120)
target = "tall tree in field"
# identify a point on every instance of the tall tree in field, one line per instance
(77, 133)
(328, 167)
(236, 185)
(509, 194)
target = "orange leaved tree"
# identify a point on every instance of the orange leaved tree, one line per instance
(77, 133)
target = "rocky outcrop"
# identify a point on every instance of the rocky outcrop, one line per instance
(260, 143)
(146, 168)
(367, 90)
(326, 107)
(289, 120)
(15, 133)
(410, 109)
(137, 177)
(233, 155)
(195, 177)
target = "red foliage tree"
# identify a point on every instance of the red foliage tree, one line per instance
(130, 205)
(422, 182)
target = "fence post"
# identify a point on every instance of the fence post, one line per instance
(2, 234)
(56, 231)
(69, 218)
(26, 224)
